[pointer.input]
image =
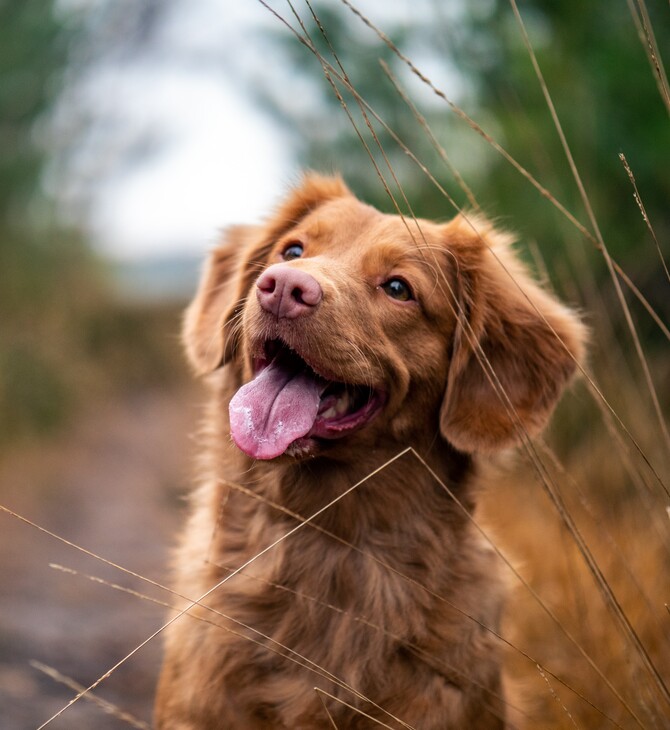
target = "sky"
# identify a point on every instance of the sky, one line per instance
(223, 163)
(213, 159)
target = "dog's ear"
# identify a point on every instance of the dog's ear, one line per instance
(210, 333)
(314, 190)
(531, 342)
(206, 341)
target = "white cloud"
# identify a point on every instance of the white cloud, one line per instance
(223, 163)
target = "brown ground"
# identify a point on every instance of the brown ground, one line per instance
(111, 485)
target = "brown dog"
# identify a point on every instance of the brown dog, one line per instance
(336, 337)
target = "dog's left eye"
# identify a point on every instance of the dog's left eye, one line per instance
(398, 289)
(294, 251)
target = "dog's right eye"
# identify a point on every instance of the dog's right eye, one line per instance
(294, 251)
(398, 289)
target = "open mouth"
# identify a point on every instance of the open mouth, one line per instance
(288, 404)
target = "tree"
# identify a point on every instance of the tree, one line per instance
(608, 102)
(316, 109)
(48, 278)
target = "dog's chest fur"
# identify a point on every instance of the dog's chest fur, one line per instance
(389, 575)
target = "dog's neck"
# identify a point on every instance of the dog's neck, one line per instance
(372, 492)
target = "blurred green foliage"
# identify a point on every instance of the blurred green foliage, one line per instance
(39, 266)
(33, 52)
(62, 334)
(605, 92)
(606, 96)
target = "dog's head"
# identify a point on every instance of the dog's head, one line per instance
(340, 319)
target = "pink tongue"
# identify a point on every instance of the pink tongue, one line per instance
(273, 410)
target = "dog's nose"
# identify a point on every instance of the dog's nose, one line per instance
(287, 292)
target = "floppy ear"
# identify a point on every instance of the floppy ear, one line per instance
(204, 330)
(313, 191)
(209, 332)
(531, 341)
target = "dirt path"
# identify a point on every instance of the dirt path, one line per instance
(113, 485)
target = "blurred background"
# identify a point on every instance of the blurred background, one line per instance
(132, 131)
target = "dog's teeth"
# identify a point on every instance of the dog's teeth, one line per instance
(338, 408)
(342, 405)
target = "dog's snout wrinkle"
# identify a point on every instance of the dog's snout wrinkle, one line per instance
(287, 292)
